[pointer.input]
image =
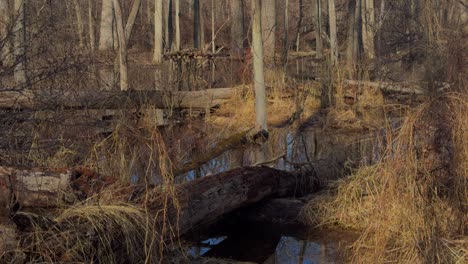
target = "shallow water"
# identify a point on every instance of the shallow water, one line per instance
(265, 243)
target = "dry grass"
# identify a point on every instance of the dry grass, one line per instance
(410, 207)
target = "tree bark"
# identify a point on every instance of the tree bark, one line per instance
(268, 25)
(333, 33)
(106, 40)
(286, 33)
(122, 46)
(158, 32)
(20, 42)
(237, 28)
(258, 69)
(353, 47)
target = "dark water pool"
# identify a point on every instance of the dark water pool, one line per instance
(266, 243)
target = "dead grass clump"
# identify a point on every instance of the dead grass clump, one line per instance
(94, 233)
(412, 206)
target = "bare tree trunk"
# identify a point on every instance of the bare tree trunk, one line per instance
(196, 24)
(299, 24)
(5, 40)
(168, 30)
(333, 38)
(122, 46)
(177, 25)
(19, 43)
(352, 51)
(79, 23)
(268, 28)
(106, 40)
(318, 29)
(213, 46)
(131, 19)
(92, 37)
(286, 32)
(368, 25)
(257, 54)
(237, 27)
(158, 31)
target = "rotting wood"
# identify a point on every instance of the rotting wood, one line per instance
(28, 99)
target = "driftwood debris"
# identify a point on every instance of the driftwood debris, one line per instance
(28, 99)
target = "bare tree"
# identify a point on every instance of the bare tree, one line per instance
(177, 24)
(286, 31)
(333, 37)
(79, 23)
(368, 26)
(106, 40)
(353, 47)
(258, 69)
(237, 27)
(122, 46)
(318, 28)
(5, 43)
(92, 36)
(269, 28)
(131, 19)
(197, 39)
(158, 31)
(19, 42)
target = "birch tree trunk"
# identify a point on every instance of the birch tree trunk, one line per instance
(106, 41)
(333, 38)
(268, 10)
(92, 36)
(79, 23)
(177, 25)
(122, 46)
(368, 25)
(158, 31)
(318, 29)
(19, 43)
(131, 20)
(258, 70)
(237, 27)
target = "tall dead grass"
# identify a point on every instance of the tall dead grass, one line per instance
(412, 206)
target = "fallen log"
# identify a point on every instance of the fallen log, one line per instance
(28, 99)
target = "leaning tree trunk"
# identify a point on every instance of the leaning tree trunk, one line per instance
(131, 19)
(333, 38)
(106, 40)
(318, 29)
(122, 46)
(237, 28)
(158, 31)
(268, 22)
(20, 42)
